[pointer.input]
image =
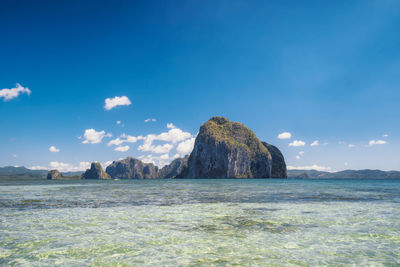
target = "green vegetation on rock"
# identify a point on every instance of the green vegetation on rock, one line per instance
(95, 172)
(233, 134)
(225, 149)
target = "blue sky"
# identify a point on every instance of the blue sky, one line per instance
(320, 70)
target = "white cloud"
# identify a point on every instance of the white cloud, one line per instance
(315, 143)
(10, 93)
(119, 124)
(301, 153)
(91, 136)
(285, 135)
(185, 147)
(116, 101)
(159, 149)
(131, 138)
(174, 135)
(385, 135)
(150, 159)
(105, 164)
(312, 167)
(341, 142)
(160, 145)
(150, 120)
(162, 148)
(345, 164)
(165, 156)
(351, 145)
(122, 148)
(377, 142)
(297, 143)
(124, 138)
(14, 155)
(157, 160)
(54, 149)
(171, 126)
(37, 168)
(117, 141)
(66, 167)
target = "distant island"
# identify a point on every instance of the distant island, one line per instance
(22, 172)
(346, 174)
(222, 149)
(10, 172)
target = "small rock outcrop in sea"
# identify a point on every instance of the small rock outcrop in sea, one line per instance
(95, 172)
(131, 168)
(225, 149)
(54, 174)
(173, 169)
(279, 169)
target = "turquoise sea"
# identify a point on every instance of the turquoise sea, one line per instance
(255, 222)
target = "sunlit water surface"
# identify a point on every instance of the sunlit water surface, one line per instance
(200, 223)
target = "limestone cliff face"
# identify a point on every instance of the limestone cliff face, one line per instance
(225, 149)
(54, 174)
(279, 169)
(173, 169)
(131, 168)
(95, 172)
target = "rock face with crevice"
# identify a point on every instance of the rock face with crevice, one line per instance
(225, 149)
(95, 172)
(131, 168)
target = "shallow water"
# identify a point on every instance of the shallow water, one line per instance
(290, 222)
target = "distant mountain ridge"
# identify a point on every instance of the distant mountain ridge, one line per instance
(11, 170)
(314, 174)
(346, 174)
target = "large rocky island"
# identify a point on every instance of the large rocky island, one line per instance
(222, 149)
(225, 149)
